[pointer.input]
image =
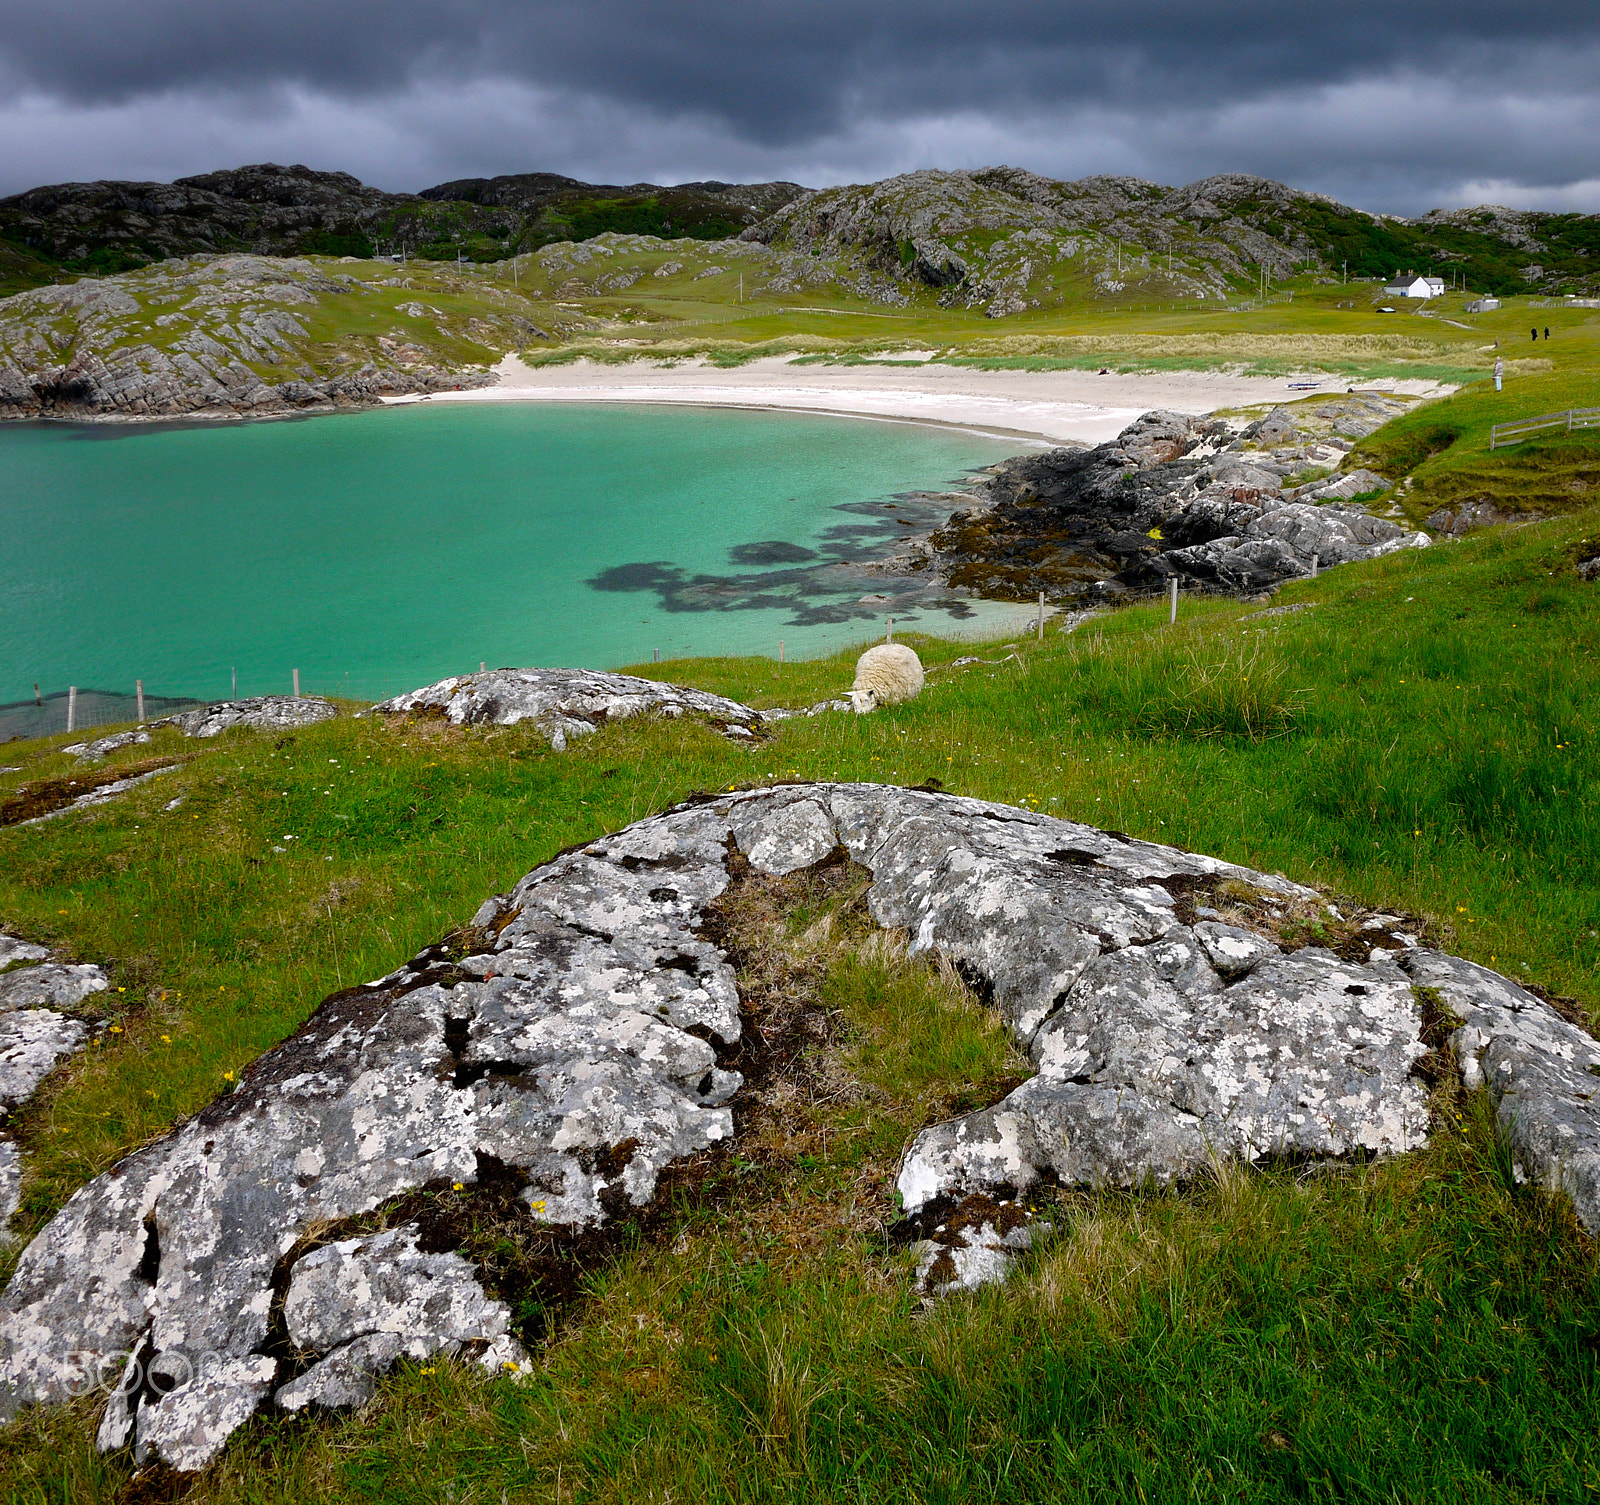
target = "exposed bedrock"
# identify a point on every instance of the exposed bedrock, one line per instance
(261, 712)
(575, 1042)
(1171, 497)
(47, 1014)
(565, 703)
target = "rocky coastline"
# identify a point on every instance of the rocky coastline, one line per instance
(1174, 497)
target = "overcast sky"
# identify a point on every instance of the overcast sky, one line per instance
(1393, 106)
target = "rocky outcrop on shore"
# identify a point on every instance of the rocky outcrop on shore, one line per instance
(566, 703)
(218, 335)
(1176, 497)
(576, 1040)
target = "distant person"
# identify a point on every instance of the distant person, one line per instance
(1499, 372)
(1533, 334)
(1547, 331)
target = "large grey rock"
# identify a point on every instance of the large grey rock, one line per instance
(10, 1187)
(1334, 535)
(386, 1284)
(89, 752)
(263, 712)
(563, 703)
(32, 1043)
(366, 1302)
(1342, 488)
(579, 1046)
(13, 949)
(34, 1039)
(61, 985)
(564, 1051)
(1542, 1072)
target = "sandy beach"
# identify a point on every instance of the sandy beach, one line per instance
(1042, 406)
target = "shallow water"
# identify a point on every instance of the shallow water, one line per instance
(382, 550)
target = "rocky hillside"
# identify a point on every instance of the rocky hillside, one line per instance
(249, 334)
(73, 228)
(553, 208)
(1006, 239)
(1000, 238)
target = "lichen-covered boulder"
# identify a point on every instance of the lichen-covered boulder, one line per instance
(37, 1033)
(564, 703)
(262, 712)
(580, 1046)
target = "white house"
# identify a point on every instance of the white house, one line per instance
(1408, 285)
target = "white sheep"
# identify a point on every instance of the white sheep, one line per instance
(885, 675)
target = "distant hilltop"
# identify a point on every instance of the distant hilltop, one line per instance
(934, 228)
(981, 235)
(73, 229)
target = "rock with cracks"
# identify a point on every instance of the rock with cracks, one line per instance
(1172, 497)
(42, 1022)
(575, 1048)
(263, 712)
(565, 703)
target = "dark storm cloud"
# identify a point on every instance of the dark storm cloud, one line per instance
(828, 86)
(773, 70)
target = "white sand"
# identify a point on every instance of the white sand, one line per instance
(1047, 406)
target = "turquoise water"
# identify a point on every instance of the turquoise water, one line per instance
(380, 551)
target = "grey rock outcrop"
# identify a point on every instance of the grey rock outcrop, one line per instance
(13, 949)
(1540, 1070)
(92, 752)
(42, 1022)
(1479, 514)
(565, 703)
(367, 1302)
(1172, 497)
(59, 985)
(577, 1047)
(262, 712)
(32, 1043)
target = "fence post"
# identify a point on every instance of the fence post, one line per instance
(1041, 616)
(296, 684)
(1172, 601)
(72, 707)
(138, 695)
(655, 655)
(780, 650)
(1316, 559)
(889, 638)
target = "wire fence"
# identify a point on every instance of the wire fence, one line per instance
(80, 710)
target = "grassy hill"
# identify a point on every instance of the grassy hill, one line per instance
(1417, 732)
(1001, 238)
(999, 269)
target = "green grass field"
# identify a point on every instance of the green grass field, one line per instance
(1419, 733)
